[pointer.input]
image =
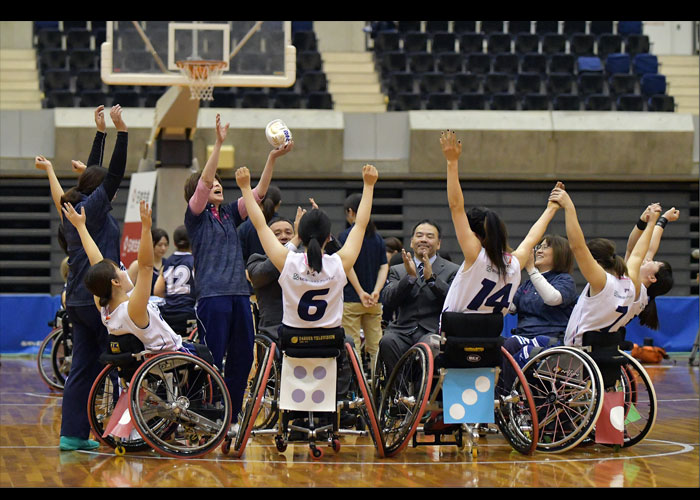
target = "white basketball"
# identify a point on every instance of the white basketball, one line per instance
(277, 133)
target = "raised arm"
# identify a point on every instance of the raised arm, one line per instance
(638, 254)
(637, 230)
(276, 252)
(593, 272)
(138, 301)
(78, 220)
(353, 244)
(98, 144)
(534, 236)
(199, 199)
(117, 165)
(56, 189)
(468, 241)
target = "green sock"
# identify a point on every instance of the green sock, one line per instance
(68, 443)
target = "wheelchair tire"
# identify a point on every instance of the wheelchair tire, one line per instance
(104, 394)
(379, 379)
(516, 415)
(62, 356)
(44, 360)
(405, 397)
(268, 414)
(567, 387)
(368, 411)
(253, 403)
(180, 405)
(640, 401)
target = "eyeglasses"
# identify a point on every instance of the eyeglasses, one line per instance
(542, 246)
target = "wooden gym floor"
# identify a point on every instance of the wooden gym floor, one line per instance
(29, 456)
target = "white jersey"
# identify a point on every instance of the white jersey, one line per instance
(607, 311)
(481, 289)
(311, 299)
(157, 336)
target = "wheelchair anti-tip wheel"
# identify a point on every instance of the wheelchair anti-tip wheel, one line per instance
(567, 388)
(180, 405)
(404, 398)
(104, 394)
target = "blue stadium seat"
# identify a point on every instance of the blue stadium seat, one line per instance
(586, 64)
(643, 64)
(617, 63)
(629, 102)
(472, 100)
(629, 27)
(652, 84)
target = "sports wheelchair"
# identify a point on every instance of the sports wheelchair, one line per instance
(569, 385)
(410, 399)
(264, 407)
(55, 353)
(177, 403)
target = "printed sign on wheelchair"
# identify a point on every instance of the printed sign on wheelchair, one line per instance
(308, 384)
(468, 395)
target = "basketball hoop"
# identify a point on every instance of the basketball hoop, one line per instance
(200, 75)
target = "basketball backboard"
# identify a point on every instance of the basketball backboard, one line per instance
(256, 53)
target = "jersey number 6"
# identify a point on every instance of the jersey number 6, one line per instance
(309, 301)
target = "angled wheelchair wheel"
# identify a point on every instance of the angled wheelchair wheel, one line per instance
(180, 405)
(379, 379)
(640, 401)
(567, 387)
(268, 413)
(367, 409)
(45, 362)
(104, 394)
(257, 390)
(516, 415)
(404, 399)
(62, 356)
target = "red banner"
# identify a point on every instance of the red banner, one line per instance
(610, 427)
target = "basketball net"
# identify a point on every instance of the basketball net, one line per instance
(200, 77)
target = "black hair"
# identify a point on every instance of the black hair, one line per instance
(427, 221)
(191, 184)
(492, 232)
(352, 202)
(603, 251)
(279, 218)
(272, 198)
(314, 229)
(393, 244)
(88, 181)
(181, 239)
(663, 284)
(158, 233)
(98, 280)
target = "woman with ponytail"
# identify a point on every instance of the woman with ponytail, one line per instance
(490, 274)
(312, 282)
(94, 191)
(614, 292)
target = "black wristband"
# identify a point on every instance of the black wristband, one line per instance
(662, 222)
(641, 225)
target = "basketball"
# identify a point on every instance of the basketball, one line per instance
(277, 133)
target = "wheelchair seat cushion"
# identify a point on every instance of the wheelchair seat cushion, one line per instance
(453, 324)
(312, 342)
(470, 352)
(121, 348)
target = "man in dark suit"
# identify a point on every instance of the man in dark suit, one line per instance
(415, 290)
